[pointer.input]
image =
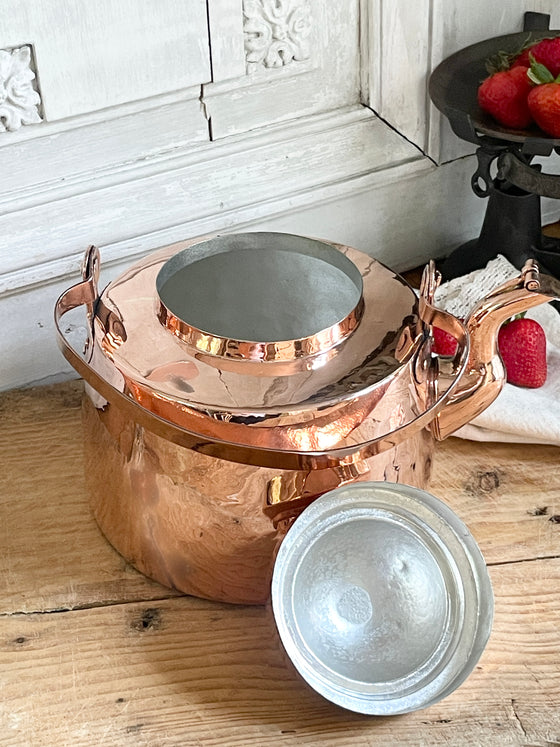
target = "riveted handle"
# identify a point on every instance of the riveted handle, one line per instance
(84, 293)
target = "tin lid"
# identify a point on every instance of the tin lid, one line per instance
(382, 598)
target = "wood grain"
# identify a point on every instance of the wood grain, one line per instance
(507, 495)
(52, 555)
(185, 671)
(93, 653)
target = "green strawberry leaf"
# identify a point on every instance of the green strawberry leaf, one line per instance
(499, 62)
(539, 73)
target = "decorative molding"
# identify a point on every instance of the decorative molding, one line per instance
(190, 193)
(276, 32)
(19, 101)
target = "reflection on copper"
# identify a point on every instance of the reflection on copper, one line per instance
(170, 512)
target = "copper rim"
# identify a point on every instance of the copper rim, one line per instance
(283, 350)
(215, 344)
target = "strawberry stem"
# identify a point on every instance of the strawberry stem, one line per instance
(503, 60)
(517, 316)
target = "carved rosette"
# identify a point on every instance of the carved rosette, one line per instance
(276, 32)
(19, 101)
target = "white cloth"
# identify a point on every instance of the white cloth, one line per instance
(518, 415)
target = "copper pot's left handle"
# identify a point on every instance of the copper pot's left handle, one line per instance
(81, 294)
(84, 293)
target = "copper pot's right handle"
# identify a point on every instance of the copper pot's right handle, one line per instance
(485, 374)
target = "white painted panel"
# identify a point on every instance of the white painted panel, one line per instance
(94, 54)
(325, 75)
(400, 47)
(217, 180)
(79, 159)
(225, 19)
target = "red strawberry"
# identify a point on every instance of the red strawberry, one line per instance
(444, 343)
(547, 52)
(523, 60)
(504, 96)
(522, 345)
(544, 105)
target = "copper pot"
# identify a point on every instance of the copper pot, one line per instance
(232, 381)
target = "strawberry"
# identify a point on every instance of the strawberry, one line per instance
(504, 96)
(522, 345)
(444, 343)
(544, 99)
(544, 104)
(547, 52)
(523, 60)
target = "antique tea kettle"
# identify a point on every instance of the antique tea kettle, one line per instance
(249, 384)
(235, 379)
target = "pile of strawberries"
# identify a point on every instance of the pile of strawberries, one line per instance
(525, 88)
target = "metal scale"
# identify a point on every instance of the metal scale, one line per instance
(505, 173)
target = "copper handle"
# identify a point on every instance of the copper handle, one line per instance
(85, 294)
(428, 380)
(122, 396)
(485, 374)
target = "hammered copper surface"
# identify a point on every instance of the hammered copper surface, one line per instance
(205, 525)
(313, 403)
(366, 394)
(198, 463)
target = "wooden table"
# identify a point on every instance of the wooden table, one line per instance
(91, 652)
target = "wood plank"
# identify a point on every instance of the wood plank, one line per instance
(506, 494)
(52, 555)
(225, 26)
(189, 672)
(402, 57)
(245, 171)
(324, 77)
(134, 665)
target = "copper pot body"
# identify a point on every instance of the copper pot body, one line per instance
(204, 525)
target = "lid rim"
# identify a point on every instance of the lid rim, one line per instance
(241, 348)
(473, 624)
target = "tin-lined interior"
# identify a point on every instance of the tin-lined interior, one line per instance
(260, 287)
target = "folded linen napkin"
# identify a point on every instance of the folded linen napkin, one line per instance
(518, 415)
